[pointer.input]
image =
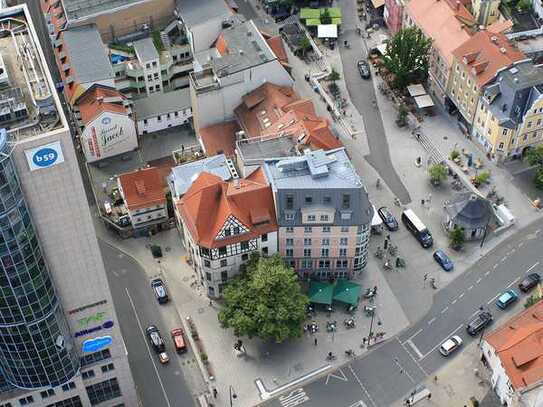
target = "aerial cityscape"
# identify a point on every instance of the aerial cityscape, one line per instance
(276, 203)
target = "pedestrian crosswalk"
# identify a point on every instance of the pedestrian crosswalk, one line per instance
(294, 398)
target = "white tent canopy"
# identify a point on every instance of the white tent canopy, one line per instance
(416, 90)
(376, 220)
(424, 101)
(327, 31)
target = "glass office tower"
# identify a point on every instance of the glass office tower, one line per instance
(36, 348)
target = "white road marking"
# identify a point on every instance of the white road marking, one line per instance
(512, 251)
(444, 310)
(478, 280)
(521, 244)
(417, 351)
(294, 398)
(403, 370)
(454, 301)
(343, 378)
(503, 259)
(430, 322)
(443, 340)
(148, 348)
(415, 334)
(493, 299)
(368, 395)
(494, 267)
(461, 295)
(265, 394)
(470, 288)
(487, 273)
(513, 282)
(537, 231)
(359, 403)
(412, 358)
(532, 267)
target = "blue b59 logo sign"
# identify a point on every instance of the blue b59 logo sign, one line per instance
(44, 156)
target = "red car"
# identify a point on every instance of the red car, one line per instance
(178, 339)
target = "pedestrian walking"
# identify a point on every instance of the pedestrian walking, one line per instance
(315, 341)
(426, 277)
(210, 303)
(215, 392)
(435, 379)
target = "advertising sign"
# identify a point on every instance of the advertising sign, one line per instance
(108, 135)
(44, 156)
(88, 331)
(96, 344)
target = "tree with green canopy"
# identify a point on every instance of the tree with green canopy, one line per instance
(265, 300)
(406, 56)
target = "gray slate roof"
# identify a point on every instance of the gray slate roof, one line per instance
(246, 48)
(513, 92)
(76, 9)
(162, 103)
(277, 147)
(330, 169)
(145, 50)
(182, 176)
(469, 210)
(195, 12)
(87, 54)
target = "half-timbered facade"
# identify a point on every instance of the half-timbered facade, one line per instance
(224, 222)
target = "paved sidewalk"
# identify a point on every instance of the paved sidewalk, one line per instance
(273, 364)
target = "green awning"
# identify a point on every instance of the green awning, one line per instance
(312, 22)
(321, 293)
(336, 20)
(306, 13)
(333, 11)
(346, 291)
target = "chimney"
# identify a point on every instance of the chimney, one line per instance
(237, 183)
(503, 50)
(457, 4)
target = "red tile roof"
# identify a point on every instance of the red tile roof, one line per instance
(100, 99)
(219, 138)
(210, 202)
(278, 48)
(519, 345)
(270, 110)
(485, 53)
(143, 188)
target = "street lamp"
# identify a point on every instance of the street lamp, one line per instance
(232, 393)
(370, 334)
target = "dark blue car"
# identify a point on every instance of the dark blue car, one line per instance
(443, 260)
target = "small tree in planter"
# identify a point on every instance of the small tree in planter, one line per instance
(401, 120)
(480, 179)
(455, 154)
(205, 359)
(457, 238)
(334, 76)
(438, 173)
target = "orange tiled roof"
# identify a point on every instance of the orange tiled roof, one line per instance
(221, 45)
(143, 188)
(519, 345)
(446, 22)
(485, 53)
(270, 110)
(276, 45)
(210, 202)
(219, 138)
(95, 101)
(500, 26)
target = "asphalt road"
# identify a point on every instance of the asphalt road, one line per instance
(362, 93)
(395, 368)
(158, 385)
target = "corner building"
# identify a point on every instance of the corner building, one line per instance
(60, 344)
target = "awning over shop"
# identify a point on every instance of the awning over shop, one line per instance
(416, 90)
(336, 20)
(312, 22)
(321, 293)
(327, 31)
(382, 48)
(424, 101)
(309, 13)
(376, 220)
(378, 3)
(333, 11)
(346, 291)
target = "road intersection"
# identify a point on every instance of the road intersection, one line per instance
(392, 370)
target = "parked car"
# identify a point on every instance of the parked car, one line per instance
(506, 299)
(163, 358)
(479, 322)
(178, 339)
(529, 282)
(388, 218)
(364, 69)
(159, 289)
(153, 334)
(450, 345)
(443, 260)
